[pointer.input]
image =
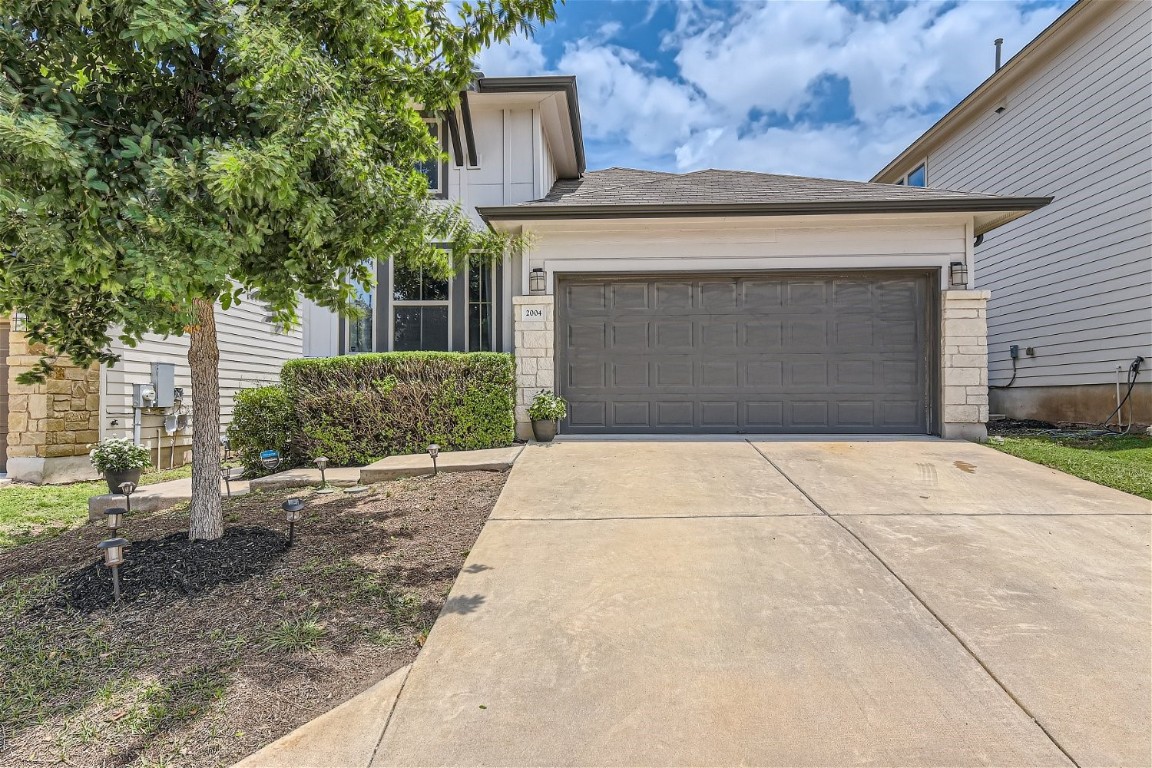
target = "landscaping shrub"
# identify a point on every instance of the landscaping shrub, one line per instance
(356, 409)
(263, 419)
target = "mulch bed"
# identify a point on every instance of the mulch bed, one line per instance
(1018, 427)
(219, 648)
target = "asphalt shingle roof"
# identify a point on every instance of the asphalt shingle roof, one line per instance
(628, 186)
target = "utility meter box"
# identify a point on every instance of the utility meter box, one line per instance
(164, 380)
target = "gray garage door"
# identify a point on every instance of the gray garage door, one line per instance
(802, 353)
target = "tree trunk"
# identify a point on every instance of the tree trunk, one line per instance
(204, 359)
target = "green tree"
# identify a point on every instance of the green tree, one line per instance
(159, 158)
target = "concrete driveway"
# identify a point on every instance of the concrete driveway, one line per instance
(799, 603)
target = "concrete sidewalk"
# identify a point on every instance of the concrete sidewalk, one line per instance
(659, 604)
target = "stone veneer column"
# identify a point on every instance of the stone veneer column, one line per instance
(51, 425)
(964, 364)
(533, 339)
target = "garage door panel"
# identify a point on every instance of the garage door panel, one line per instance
(745, 354)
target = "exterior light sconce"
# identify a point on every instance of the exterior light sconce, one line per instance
(434, 451)
(321, 463)
(958, 274)
(114, 518)
(113, 550)
(293, 513)
(537, 281)
(127, 488)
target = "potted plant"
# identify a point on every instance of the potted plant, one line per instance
(547, 408)
(120, 460)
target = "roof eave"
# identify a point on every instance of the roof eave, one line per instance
(1009, 207)
(565, 84)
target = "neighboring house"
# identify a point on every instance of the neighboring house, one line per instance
(45, 430)
(1070, 116)
(709, 302)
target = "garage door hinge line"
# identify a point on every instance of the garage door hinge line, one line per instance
(922, 602)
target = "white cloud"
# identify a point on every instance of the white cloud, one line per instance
(518, 57)
(742, 93)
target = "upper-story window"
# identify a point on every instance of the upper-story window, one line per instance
(917, 177)
(433, 169)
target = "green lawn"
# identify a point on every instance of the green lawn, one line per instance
(29, 512)
(1123, 462)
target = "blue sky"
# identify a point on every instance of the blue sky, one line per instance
(831, 88)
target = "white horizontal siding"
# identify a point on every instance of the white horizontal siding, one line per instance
(1073, 280)
(251, 354)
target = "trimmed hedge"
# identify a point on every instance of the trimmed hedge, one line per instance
(356, 409)
(263, 418)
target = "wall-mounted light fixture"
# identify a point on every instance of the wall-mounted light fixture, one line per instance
(958, 274)
(537, 281)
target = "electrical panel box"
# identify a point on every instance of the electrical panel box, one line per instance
(164, 380)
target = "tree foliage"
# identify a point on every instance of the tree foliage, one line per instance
(158, 152)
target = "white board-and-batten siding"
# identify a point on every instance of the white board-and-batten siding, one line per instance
(1072, 280)
(252, 352)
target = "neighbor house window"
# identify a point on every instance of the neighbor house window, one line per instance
(480, 307)
(433, 168)
(419, 310)
(917, 177)
(360, 329)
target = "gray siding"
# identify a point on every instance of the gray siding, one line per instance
(1073, 280)
(251, 354)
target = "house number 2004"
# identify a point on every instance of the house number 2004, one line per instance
(531, 313)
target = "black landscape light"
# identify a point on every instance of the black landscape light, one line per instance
(127, 488)
(434, 451)
(321, 463)
(537, 281)
(293, 513)
(226, 476)
(958, 274)
(113, 557)
(114, 518)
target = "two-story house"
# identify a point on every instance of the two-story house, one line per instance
(708, 302)
(1070, 116)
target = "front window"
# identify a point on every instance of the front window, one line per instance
(419, 310)
(360, 329)
(432, 168)
(480, 307)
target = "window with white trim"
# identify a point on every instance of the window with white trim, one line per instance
(917, 177)
(421, 312)
(361, 330)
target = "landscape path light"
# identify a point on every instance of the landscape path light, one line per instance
(113, 557)
(127, 488)
(293, 513)
(321, 463)
(434, 451)
(114, 518)
(226, 476)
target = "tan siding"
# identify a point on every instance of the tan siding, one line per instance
(1074, 279)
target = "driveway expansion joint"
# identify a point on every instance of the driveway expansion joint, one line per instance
(923, 603)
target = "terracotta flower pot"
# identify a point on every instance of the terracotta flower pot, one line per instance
(544, 430)
(123, 476)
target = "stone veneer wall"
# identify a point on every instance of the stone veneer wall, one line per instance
(51, 425)
(535, 350)
(964, 364)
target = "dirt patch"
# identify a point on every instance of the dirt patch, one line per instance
(220, 648)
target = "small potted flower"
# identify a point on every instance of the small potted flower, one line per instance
(546, 410)
(120, 460)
